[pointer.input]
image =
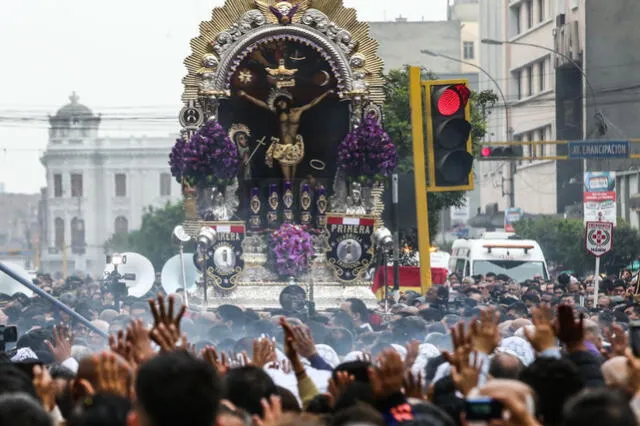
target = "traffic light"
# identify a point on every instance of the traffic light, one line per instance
(449, 147)
(501, 152)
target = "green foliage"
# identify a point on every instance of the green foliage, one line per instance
(153, 239)
(397, 122)
(562, 241)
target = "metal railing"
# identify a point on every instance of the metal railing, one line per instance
(46, 296)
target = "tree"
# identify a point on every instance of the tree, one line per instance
(562, 241)
(397, 122)
(153, 239)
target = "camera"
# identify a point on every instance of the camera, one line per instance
(114, 282)
(483, 410)
(8, 334)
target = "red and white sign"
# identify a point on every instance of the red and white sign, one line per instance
(599, 238)
(357, 221)
(229, 228)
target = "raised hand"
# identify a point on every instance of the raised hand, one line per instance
(304, 343)
(485, 335)
(112, 376)
(461, 345)
(340, 384)
(290, 346)
(264, 352)
(413, 386)
(413, 350)
(62, 343)
(118, 344)
(272, 411)
(517, 412)
(221, 364)
(164, 314)
(388, 378)
(45, 387)
(167, 337)
(543, 337)
(466, 373)
(569, 331)
(138, 343)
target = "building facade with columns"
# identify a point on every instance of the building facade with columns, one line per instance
(96, 187)
(526, 76)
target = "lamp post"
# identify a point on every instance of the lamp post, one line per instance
(508, 130)
(598, 115)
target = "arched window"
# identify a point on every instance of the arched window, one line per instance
(58, 227)
(121, 225)
(77, 236)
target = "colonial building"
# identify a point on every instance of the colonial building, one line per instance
(518, 41)
(96, 187)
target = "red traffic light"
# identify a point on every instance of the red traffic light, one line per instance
(501, 152)
(450, 100)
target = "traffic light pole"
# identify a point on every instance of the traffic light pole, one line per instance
(632, 142)
(420, 176)
(512, 184)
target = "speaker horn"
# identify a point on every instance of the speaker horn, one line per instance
(10, 286)
(171, 275)
(137, 272)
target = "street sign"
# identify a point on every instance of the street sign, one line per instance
(511, 216)
(599, 149)
(600, 197)
(599, 238)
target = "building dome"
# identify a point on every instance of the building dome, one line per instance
(73, 110)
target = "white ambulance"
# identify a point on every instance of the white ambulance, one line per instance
(501, 254)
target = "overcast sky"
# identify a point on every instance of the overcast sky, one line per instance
(123, 57)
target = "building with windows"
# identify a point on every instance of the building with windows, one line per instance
(520, 61)
(466, 12)
(605, 35)
(586, 81)
(400, 43)
(96, 187)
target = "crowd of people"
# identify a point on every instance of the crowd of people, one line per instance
(478, 350)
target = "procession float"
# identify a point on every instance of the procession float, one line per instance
(283, 158)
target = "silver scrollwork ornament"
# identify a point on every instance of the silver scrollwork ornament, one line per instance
(359, 82)
(249, 21)
(357, 61)
(210, 61)
(343, 38)
(208, 82)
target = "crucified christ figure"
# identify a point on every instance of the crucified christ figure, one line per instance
(288, 150)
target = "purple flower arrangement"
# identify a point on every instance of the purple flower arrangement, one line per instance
(210, 158)
(292, 249)
(367, 153)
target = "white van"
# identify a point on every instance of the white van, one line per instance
(518, 259)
